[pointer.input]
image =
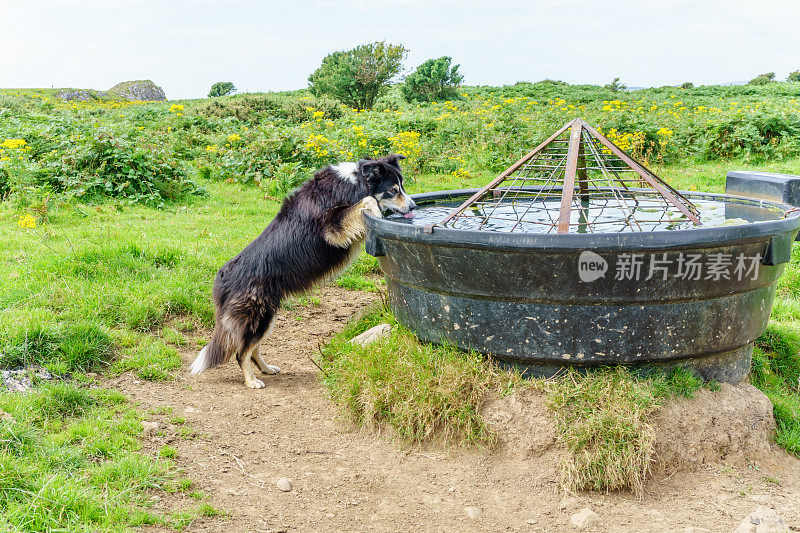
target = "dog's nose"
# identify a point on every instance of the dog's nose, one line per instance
(411, 204)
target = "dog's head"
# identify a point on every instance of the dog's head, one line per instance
(385, 183)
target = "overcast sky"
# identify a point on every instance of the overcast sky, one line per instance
(185, 46)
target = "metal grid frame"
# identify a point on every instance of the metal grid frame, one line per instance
(589, 173)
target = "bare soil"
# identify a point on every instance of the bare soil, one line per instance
(344, 479)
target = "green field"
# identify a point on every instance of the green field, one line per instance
(115, 216)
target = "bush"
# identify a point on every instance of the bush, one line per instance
(762, 79)
(794, 76)
(221, 88)
(752, 135)
(110, 166)
(359, 76)
(435, 79)
(615, 85)
(259, 108)
(687, 85)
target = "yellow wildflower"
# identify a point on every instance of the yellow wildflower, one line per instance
(26, 221)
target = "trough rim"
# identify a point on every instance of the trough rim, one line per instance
(702, 236)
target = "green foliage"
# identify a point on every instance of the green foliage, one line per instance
(422, 391)
(77, 348)
(776, 371)
(602, 417)
(222, 88)
(359, 76)
(435, 79)
(755, 135)
(687, 85)
(794, 76)
(615, 85)
(107, 165)
(762, 79)
(70, 461)
(255, 109)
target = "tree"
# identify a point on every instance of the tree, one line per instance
(359, 76)
(221, 88)
(762, 79)
(435, 79)
(615, 85)
(794, 76)
(687, 85)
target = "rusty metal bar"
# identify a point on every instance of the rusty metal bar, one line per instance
(648, 176)
(501, 177)
(569, 174)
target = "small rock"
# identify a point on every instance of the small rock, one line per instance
(473, 512)
(693, 529)
(762, 520)
(372, 334)
(148, 428)
(190, 409)
(531, 521)
(568, 501)
(284, 484)
(584, 518)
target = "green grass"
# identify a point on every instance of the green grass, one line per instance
(602, 418)
(421, 391)
(105, 285)
(70, 461)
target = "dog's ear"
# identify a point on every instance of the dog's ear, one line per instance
(394, 159)
(369, 169)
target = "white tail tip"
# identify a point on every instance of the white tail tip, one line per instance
(199, 364)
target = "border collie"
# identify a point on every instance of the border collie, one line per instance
(316, 235)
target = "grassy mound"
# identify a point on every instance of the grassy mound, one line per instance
(424, 392)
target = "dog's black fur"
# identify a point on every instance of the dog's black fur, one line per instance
(316, 234)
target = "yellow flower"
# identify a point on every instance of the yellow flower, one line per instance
(13, 144)
(26, 221)
(175, 108)
(233, 137)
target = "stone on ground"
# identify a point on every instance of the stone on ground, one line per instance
(372, 334)
(473, 512)
(584, 518)
(284, 484)
(762, 520)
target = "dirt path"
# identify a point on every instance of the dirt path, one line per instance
(346, 480)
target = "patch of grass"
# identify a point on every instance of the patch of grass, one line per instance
(602, 417)
(150, 359)
(81, 347)
(421, 391)
(70, 461)
(776, 372)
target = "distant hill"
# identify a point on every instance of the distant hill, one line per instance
(127, 90)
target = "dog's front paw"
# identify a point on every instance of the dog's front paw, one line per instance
(255, 384)
(370, 205)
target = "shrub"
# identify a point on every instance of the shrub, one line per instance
(752, 135)
(359, 76)
(794, 76)
(615, 85)
(107, 165)
(687, 85)
(435, 79)
(259, 108)
(762, 79)
(221, 88)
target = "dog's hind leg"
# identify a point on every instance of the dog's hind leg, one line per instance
(244, 362)
(264, 367)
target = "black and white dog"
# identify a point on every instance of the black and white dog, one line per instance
(316, 234)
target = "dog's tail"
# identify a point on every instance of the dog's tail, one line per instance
(217, 352)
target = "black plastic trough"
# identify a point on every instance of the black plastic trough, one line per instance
(544, 301)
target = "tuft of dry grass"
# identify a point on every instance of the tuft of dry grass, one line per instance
(422, 391)
(601, 418)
